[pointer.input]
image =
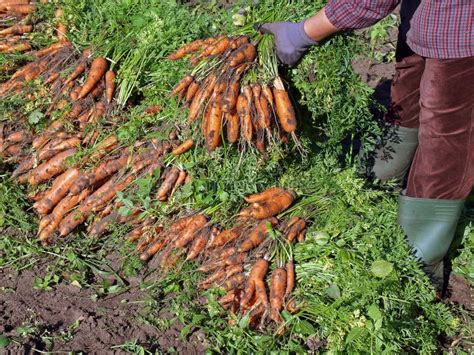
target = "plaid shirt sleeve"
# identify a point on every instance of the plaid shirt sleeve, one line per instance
(353, 14)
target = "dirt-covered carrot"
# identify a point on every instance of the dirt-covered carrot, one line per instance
(198, 245)
(153, 248)
(257, 274)
(51, 168)
(216, 49)
(201, 96)
(268, 94)
(109, 85)
(63, 207)
(51, 49)
(180, 181)
(233, 282)
(295, 229)
(105, 146)
(246, 53)
(229, 297)
(257, 235)
(97, 71)
(24, 9)
(56, 147)
(182, 85)
(12, 48)
(277, 293)
(196, 224)
(232, 127)
(290, 278)
(223, 262)
(81, 67)
(243, 111)
(183, 147)
(214, 126)
(192, 90)
(17, 137)
(167, 184)
(239, 41)
(284, 107)
(187, 49)
(16, 30)
(269, 208)
(229, 101)
(58, 190)
(264, 196)
(226, 236)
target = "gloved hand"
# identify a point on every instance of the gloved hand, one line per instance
(291, 40)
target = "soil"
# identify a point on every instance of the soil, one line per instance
(68, 319)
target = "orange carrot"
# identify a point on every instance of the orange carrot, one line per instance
(109, 85)
(284, 108)
(290, 278)
(277, 293)
(190, 231)
(63, 207)
(295, 230)
(51, 168)
(269, 208)
(231, 96)
(186, 49)
(51, 49)
(213, 137)
(226, 236)
(21, 8)
(153, 248)
(198, 245)
(243, 111)
(183, 147)
(233, 127)
(257, 274)
(182, 85)
(239, 41)
(97, 71)
(12, 48)
(58, 190)
(246, 53)
(192, 90)
(78, 71)
(263, 196)
(180, 181)
(167, 185)
(16, 30)
(201, 96)
(257, 235)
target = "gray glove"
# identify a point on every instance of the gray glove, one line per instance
(291, 40)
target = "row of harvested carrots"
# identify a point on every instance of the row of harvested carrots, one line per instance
(14, 37)
(224, 255)
(248, 111)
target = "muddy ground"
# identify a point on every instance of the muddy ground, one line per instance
(68, 318)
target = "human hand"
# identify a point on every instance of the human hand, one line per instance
(291, 40)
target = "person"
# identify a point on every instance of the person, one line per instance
(432, 108)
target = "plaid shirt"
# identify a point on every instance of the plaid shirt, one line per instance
(441, 29)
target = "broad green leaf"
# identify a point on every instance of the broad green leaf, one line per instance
(381, 268)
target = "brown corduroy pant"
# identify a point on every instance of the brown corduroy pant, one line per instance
(437, 97)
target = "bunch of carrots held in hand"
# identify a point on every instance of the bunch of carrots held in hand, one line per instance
(225, 256)
(234, 94)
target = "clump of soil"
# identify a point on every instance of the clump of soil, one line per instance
(68, 319)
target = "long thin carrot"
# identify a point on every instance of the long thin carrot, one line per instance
(16, 30)
(264, 196)
(277, 293)
(167, 184)
(109, 85)
(97, 71)
(284, 107)
(51, 49)
(182, 85)
(290, 278)
(51, 168)
(198, 245)
(183, 147)
(81, 67)
(58, 190)
(190, 231)
(213, 136)
(63, 207)
(257, 235)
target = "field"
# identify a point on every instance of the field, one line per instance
(358, 288)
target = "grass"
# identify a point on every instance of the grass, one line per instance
(359, 290)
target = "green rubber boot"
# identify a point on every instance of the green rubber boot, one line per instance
(430, 226)
(394, 157)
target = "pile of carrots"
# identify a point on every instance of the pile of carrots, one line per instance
(230, 103)
(68, 190)
(234, 259)
(15, 25)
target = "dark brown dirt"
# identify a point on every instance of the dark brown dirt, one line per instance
(67, 319)
(460, 292)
